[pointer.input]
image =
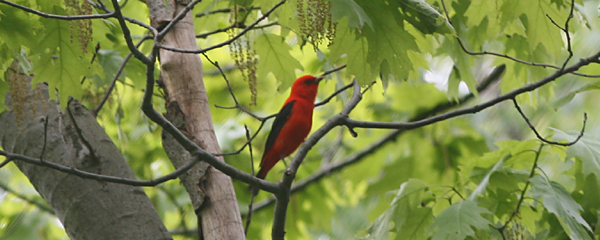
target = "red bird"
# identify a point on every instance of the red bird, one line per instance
(292, 124)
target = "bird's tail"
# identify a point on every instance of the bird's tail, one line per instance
(262, 173)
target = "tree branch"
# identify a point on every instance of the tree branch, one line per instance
(464, 48)
(510, 95)
(225, 29)
(99, 177)
(338, 166)
(224, 10)
(61, 17)
(198, 153)
(537, 134)
(229, 41)
(127, 34)
(522, 197)
(131, 20)
(27, 199)
(285, 184)
(262, 119)
(175, 20)
(116, 77)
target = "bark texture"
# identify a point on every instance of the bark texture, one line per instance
(88, 209)
(180, 157)
(182, 76)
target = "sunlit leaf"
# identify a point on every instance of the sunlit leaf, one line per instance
(389, 41)
(352, 49)
(459, 221)
(407, 213)
(274, 57)
(484, 182)
(557, 200)
(424, 17)
(587, 150)
(567, 98)
(63, 63)
(356, 16)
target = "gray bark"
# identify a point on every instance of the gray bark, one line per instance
(181, 73)
(88, 209)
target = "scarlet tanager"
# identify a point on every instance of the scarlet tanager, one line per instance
(292, 124)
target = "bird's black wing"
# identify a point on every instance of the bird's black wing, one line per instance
(280, 120)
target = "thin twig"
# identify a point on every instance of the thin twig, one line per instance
(127, 34)
(333, 70)
(224, 10)
(569, 47)
(464, 48)
(101, 6)
(283, 196)
(321, 103)
(522, 197)
(198, 154)
(225, 29)
(116, 77)
(229, 41)
(6, 161)
(61, 17)
(261, 119)
(249, 217)
(250, 148)
(175, 20)
(357, 157)
(474, 109)
(94, 176)
(237, 103)
(27, 199)
(537, 134)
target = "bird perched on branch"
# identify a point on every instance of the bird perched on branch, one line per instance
(292, 124)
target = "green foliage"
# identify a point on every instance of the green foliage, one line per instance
(410, 219)
(275, 57)
(587, 150)
(468, 177)
(424, 17)
(557, 200)
(355, 15)
(459, 220)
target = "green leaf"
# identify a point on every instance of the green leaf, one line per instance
(567, 98)
(274, 56)
(483, 184)
(110, 61)
(458, 221)
(62, 62)
(410, 218)
(389, 41)
(424, 17)
(557, 200)
(462, 68)
(353, 49)
(587, 150)
(540, 30)
(16, 29)
(355, 15)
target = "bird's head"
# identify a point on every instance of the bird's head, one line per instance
(306, 87)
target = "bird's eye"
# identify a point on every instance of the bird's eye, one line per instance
(308, 82)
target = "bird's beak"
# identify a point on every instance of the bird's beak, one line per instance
(319, 78)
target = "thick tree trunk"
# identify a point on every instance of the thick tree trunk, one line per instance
(182, 77)
(88, 209)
